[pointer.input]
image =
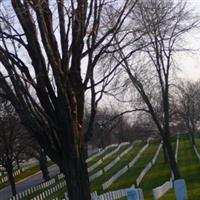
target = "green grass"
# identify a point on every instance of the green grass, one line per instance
(28, 172)
(109, 159)
(128, 179)
(96, 184)
(94, 160)
(188, 164)
(189, 167)
(159, 173)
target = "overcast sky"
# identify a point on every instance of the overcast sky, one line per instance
(189, 62)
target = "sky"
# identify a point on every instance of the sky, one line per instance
(189, 62)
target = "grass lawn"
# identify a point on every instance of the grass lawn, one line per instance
(188, 163)
(128, 179)
(94, 160)
(96, 184)
(109, 159)
(190, 170)
(158, 174)
(28, 172)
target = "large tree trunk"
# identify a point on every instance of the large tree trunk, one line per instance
(44, 166)
(172, 160)
(193, 139)
(11, 180)
(76, 176)
(165, 154)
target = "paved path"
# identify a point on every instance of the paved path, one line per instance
(5, 193)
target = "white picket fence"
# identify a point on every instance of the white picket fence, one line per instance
(112, 195)
(115, 150)
(116, 160)
(15, 173)
(91, 168)
(161, 190)
(177, 148)
(100, 152)
(96, 175)
(196, 152)
(165, 187)
(127, 150)
(95, 155)
(138, 156)
(148, 166)
(33, 189)
(118, 194)
(110, 165)
(110, 146)
(124, 169)
(114, 177)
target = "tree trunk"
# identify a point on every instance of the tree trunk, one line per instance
(18, 165)
(44, 166)
(11, 180)
(76, 176)
(172, 160)
(165, 154)
(193, 139)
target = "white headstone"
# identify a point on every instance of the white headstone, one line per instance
(180, 189)
(135, 194)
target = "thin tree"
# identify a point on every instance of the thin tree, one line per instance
(35, 151)
(163, 24)
(12, 141)
(188, 106)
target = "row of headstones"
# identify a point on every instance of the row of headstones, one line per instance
(93, 196)
(149, 165)
(116, 160)
(178, 185)
(196, 152)
(137, 193)
(124, 169)
(100, 152)
(179, 189)
(15, 173)
(33, 189)
(115, 150)
(110, 165)
(99, 162)
(138, 156)
(48, 192)
(95, 175)
(60, 176)
(161, 190)
(121, 155)
(177, 148)
(91, 168)
(91, 177)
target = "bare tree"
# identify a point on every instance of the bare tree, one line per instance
(12, 141)
(35, 151)
(163, 24)
(188, 106)
(49, 53)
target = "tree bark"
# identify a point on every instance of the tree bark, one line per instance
(193, 139)
(172, 160)
(76, 176)
(11, 180)
(44, 166)
(165, 154)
